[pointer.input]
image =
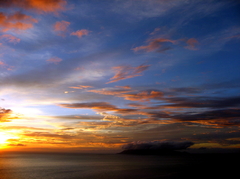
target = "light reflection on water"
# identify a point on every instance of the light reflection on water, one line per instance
(93, 166)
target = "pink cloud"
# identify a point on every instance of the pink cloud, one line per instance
(61, 27)
(2, 64)
(6, 66)
(80, 33)
(54, 60)
(125, 72)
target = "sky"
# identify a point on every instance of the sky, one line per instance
(95, 75)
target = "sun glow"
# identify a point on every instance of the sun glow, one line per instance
(4, 137)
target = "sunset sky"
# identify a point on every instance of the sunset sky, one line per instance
(94, 75)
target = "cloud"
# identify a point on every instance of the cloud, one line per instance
(142, 9)
(125, 72)
(41, 6)
(204, 102)
(144, 96)
(221, 118)
(124, 87)
(16, 21)
(80, 33)
(192, 42)
(54, 60)
(76, 117)
(10, 38)
(2, 63)
(61, 27)
(112, 92)
(48, 134)
(5, 114)
(128, 94)
(94, 105)
(6, 66)
(100, 107)
(159, 45)
(158, 145)
(17, 145)
(81, 87)
(156, 30)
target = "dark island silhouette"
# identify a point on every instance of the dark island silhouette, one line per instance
(156, 148)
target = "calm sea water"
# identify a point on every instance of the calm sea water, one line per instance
(115, 166)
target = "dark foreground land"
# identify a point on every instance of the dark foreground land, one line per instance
(114, 166)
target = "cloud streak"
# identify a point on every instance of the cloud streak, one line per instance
(125, 72)
(10, 38)
(54, 60)
(158, 45)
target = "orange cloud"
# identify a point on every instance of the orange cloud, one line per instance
(46, 6)
(124, 93)
(155, 44)
(80, 87)
(144, 96)
(18, 16)
(125, 72)
(124, 87)
(10, 38)
(54, 60)
(17, 21)
(4, 114)
(80, 33)
(93, 105)
(101, 107)
(192, 42)
(61, 27)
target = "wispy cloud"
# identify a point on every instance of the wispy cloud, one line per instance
(125, 72)
(81, 87)
(54, 60)
(10, 38)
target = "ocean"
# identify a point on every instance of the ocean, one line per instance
(117, 166)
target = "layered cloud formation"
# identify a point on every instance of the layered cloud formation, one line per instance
(95, 76)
